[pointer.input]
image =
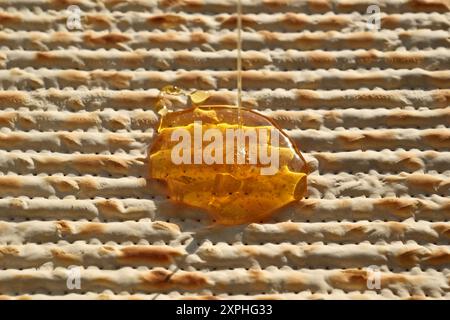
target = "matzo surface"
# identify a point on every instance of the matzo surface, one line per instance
(369, 110)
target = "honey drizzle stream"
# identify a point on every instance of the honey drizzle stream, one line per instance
(239, 60)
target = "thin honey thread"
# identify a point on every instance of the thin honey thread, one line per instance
(239, 60)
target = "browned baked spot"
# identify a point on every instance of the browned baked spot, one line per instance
(9, 98)
(333, 116)
(82, 120)
(97, 20)
(311, 120)
(110, 206)
(88, 185)
(389, 279)
(70, 139)
(321, 59)
(439, 79)
(430, 5)
(189, 280)
(403, 117)
(105, 249)
(26, 120)
(8, 183)
(65, 3)
(360, 40)
(116, 79)
(320, 6)
(117, 165)
(166, 20)
(199, 37)
(197, 79)
(158, 278)
(9, 140)
(133, 59)
(182, 57)
(231, 21)
(367, 57)
(230, 39)
(438, 257)
(295, 20)
(161, 279)
(161, 255)
(219, 98)
(58, 37)
(104, 282)
(372, 79)
(397, 228)
(424, 181)
(355, 230)
(276, 3)
(45, 56)
(63, 227)
(351, 139)
(86, 162)
(381, 97)
(375, 138)
(349, 279)
(410, 161)
(131, 99)
(442, 228)
(109, 39)
(94, 162)
(193, 4)
(43, 161)
(440, 97)
(7, 18)
(407, 59)
(390, 21)
(63, 184)
(309, 204)
(26, 277)
(288, 228)
(92, 229)
(259, 280)
(17, 203)
(80, 77)
(163, 37)
(8, 251)
(166, 226)
(334, 22)
(119, 122)
(409, 258)
(309, 41)
(398, 206)
(168, 3)
(119, 139)
(397, 203)
(143, 119)
(64, 256)
(268, 36)
(440, 139)
(307, 97)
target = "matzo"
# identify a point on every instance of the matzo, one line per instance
(368, 109)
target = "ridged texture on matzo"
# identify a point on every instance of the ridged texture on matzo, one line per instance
(369, 109)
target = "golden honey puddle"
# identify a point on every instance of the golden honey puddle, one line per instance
(232, 187)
